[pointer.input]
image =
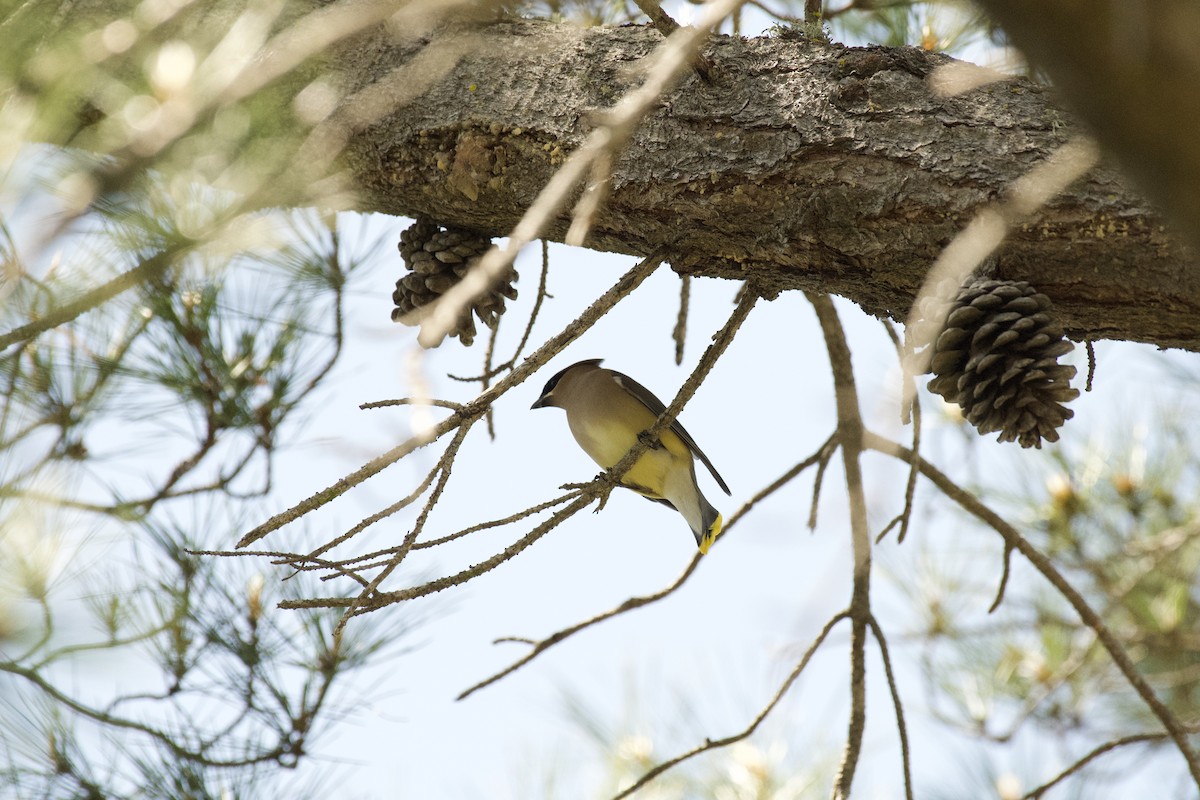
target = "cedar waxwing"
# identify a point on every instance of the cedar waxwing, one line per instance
(607, 411)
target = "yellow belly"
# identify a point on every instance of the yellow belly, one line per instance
(607, 444)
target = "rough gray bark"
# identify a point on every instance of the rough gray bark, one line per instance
(1132, 70)
(804, 165)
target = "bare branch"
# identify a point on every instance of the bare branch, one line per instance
(901, 728)
(679, 332)
(637, 602)
(713, 744)
(661, 19)
(1175, 729)
(850, 437)
(545, 644)
(1107, 747)
(627, 283)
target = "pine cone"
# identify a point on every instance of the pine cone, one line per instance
(437, 259)
(997, 357)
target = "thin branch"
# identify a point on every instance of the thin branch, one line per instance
(713, 744)
(679, 332)
(406, 546)
(412, 401)
(382, 599)
(661, 19)
(145, 271)
(545, 644)
(1003, 578)
(819, 480)
(381, 558)
(159, 736)
(820, 457)
(627, 283)
(850, 436)
(495, 523)
(442, 466)
(637, 602)
(1177, 732)
(1093, 754)
(909, 412)
(901, 727)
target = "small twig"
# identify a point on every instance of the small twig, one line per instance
(909, 412)
(495, 523)
(1137, 738)
(382, 599)
(486, 378)
(553, 639)
(145, 271)
(820, 456)
(679, 332)
(666, 25)
(1091, 351)
(901, 727)
(828, 449)
(405, 546)
(443, 465)
(381, 558)
(713, 744)
(412, 401)
(812, 11)
(1003, 578)
(660, 19)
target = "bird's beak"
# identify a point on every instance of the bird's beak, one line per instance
(542, 402)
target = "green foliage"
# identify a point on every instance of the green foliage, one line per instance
(145, 426)
(1121, 523)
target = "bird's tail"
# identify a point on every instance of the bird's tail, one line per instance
(712, 523)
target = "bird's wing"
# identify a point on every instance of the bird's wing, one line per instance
(656, 407)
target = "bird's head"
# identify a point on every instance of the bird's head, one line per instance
(561, 383)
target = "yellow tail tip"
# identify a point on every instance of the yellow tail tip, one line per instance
(711, 535)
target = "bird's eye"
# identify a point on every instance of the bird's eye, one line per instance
(550, 384)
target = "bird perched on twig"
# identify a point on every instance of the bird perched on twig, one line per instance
(607, 411)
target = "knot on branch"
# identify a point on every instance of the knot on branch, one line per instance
(437, 258)
(995, 353)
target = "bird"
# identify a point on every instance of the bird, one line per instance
(607, 411)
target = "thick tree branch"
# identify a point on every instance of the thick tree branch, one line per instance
(805, 165)
(1132, 71)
